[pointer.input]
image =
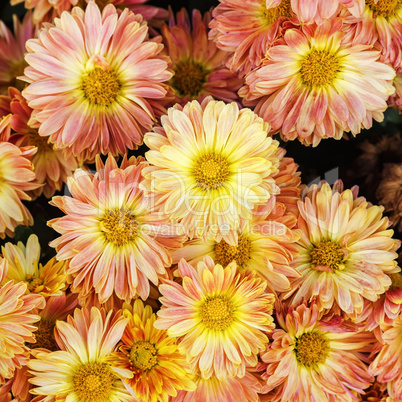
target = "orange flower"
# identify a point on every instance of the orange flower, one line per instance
(346, 249)
(196, 61)
(16, 324)
(16, 178)
(312, 358)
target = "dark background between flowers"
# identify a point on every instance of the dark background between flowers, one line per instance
(330, 159)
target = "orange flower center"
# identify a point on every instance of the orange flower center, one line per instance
(119, 227)
(217, 313)
(319, 68)
(311, 348)
(143, 355)
(225, 253)
(44, 337)
(272, 14)
(384, 8)
(327, 254)
(396, 281)
(101, 87)
(211, 171)
(189, 78)
(93, 382)
(42, 143)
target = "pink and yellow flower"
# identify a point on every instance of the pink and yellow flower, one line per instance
(80, 371)
(95, 80)
(346, 251)
(16, 323)
(312, 358)
(246, 29)
(313, 85)
(211, 165)
(57, 308)
(12, 51)
(16, 178)
(196, 61)
(222, 316)
(387, 365)
(158, 369)
(23, 266)
(265, 246)
(230, 388)
(113, 241)
(52, 166)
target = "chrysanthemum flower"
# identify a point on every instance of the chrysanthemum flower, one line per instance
(57, 308)
(319, 11)
(196, 61)
(45, 10)
(387, 365)
(12, 51)
(389, 193)
(382, 21)
(16, 323)
(51, 166)
(95, 80)
(384, 311)
(265, 246)
(23, 266)
(396, 99)
(346, 249)
(211, 164)
(158, 369)
(81, 371)
(313, 359)
(246, 29)
(227, 389)
(16, 177)
(113, 242)
(222, 315)
(313, 85)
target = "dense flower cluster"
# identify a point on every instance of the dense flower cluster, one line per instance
(200, 269)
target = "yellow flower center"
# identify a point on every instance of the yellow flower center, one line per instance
(396, 281)
(143, 355)
(119, 227)
(44, 337)
(33, 283)
(211, 171)
(272, 14)
(101, 87)
(225, 253)
(311, 348)
(189, 78)
(327, 254)
(217, 313)
(385, 8)
(319, 68)
(93, 382)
